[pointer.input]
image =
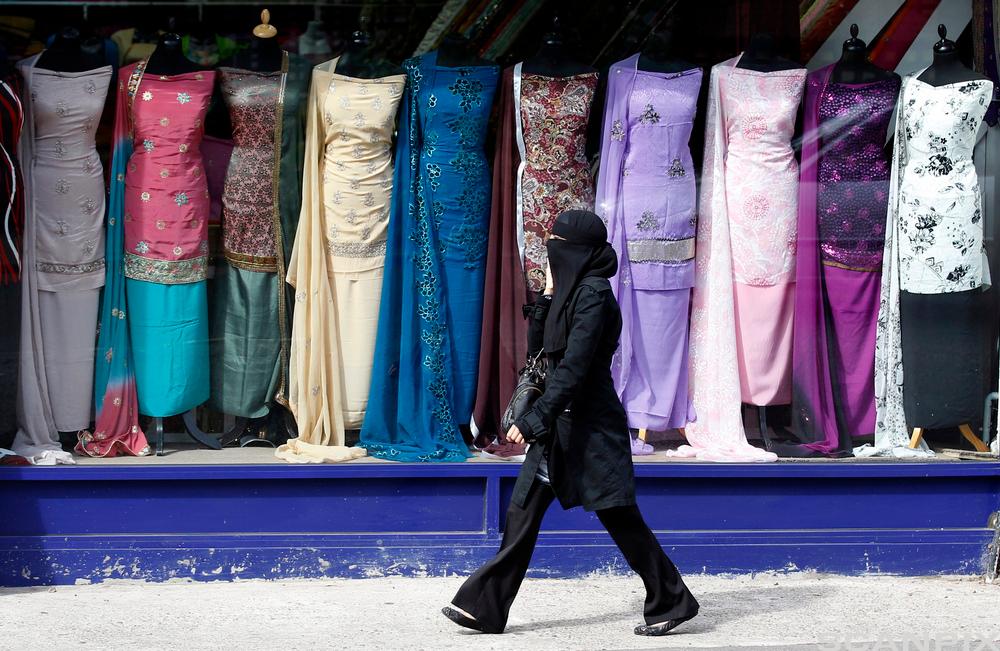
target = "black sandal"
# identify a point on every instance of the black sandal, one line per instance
(655, 630)
(464, 620)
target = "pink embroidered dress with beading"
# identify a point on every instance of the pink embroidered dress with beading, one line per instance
(166, 194)
(761, 190)
(555, 176)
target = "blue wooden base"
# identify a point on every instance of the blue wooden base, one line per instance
(67, 524)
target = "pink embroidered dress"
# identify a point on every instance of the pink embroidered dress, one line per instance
(743, 299)
(167, 205)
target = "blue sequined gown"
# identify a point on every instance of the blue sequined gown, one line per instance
(427, 349)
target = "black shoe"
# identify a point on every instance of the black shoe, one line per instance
(464, 620)
(662, 628)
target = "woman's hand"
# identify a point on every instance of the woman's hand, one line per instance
(514, 435)
(550, 287)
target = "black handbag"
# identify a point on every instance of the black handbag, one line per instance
(530, 386)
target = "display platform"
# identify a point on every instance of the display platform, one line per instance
(248, 515)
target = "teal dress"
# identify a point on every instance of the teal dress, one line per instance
(427, 348)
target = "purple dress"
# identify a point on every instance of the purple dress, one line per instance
(646, 194)
(843, 200)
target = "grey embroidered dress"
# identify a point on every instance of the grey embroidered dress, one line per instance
(64, 252)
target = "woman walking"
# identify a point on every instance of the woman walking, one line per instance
(580, 452)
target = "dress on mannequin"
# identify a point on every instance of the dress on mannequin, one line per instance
(427, 346)
(338, 262)
(540, 169)
(646, 194)
(745, 262)
(261, 199)
(166, 238)
(64, 252)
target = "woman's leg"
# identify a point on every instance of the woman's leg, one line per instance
(666, 595)
(488, 594)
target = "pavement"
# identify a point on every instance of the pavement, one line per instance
(762, 611)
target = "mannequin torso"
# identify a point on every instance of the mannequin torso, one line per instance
(360, 62)
(70, 53)
(457, 52)
(947, 68)
(263, 55)
(760, 56)
(168, 59)
(854, 66)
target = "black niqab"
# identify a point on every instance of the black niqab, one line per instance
(583, 252)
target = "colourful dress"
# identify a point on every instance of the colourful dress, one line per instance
(63, 251)
(337, 264)
(116, 404)
(166, 240)
(554, 176)
(741, 307)
(843, 196)
(646, 194)
(539, 170)
(260, 206)
(931, 339)
(427, 348)
(11, 182)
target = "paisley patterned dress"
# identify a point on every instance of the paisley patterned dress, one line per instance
(166, 238)
(427, 349)
(554, 176)
(260, 207)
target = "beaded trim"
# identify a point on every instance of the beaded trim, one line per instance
(166, 272)
(661, 250)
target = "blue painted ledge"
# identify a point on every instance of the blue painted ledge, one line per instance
(220, 522)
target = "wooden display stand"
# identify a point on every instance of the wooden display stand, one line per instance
(964, 428)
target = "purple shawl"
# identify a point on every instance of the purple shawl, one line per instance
(621, 79)
(813, 408)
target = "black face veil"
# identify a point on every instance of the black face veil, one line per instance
(583, 252)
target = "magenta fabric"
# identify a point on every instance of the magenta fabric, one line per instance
(852, 297)
(839, 256)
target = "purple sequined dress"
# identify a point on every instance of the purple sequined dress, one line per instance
(646, 193)
(846, 169)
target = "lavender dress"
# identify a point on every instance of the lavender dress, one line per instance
(646, 193)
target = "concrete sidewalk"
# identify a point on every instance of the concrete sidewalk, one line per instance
(800, 610)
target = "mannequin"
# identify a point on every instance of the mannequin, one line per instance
(313, 43)
(854, 66)
(70, 53)
(947, 68)
(552, 59)
(656, 51)
(264, 53)
(760, 55)
(166, 60)
(456, 51)
(359, 59)
(168, 57)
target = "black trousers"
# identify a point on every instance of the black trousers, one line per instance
(488, 594)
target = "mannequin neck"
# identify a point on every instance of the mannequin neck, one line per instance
(263, 55)
(168, 59)
(948, 68)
